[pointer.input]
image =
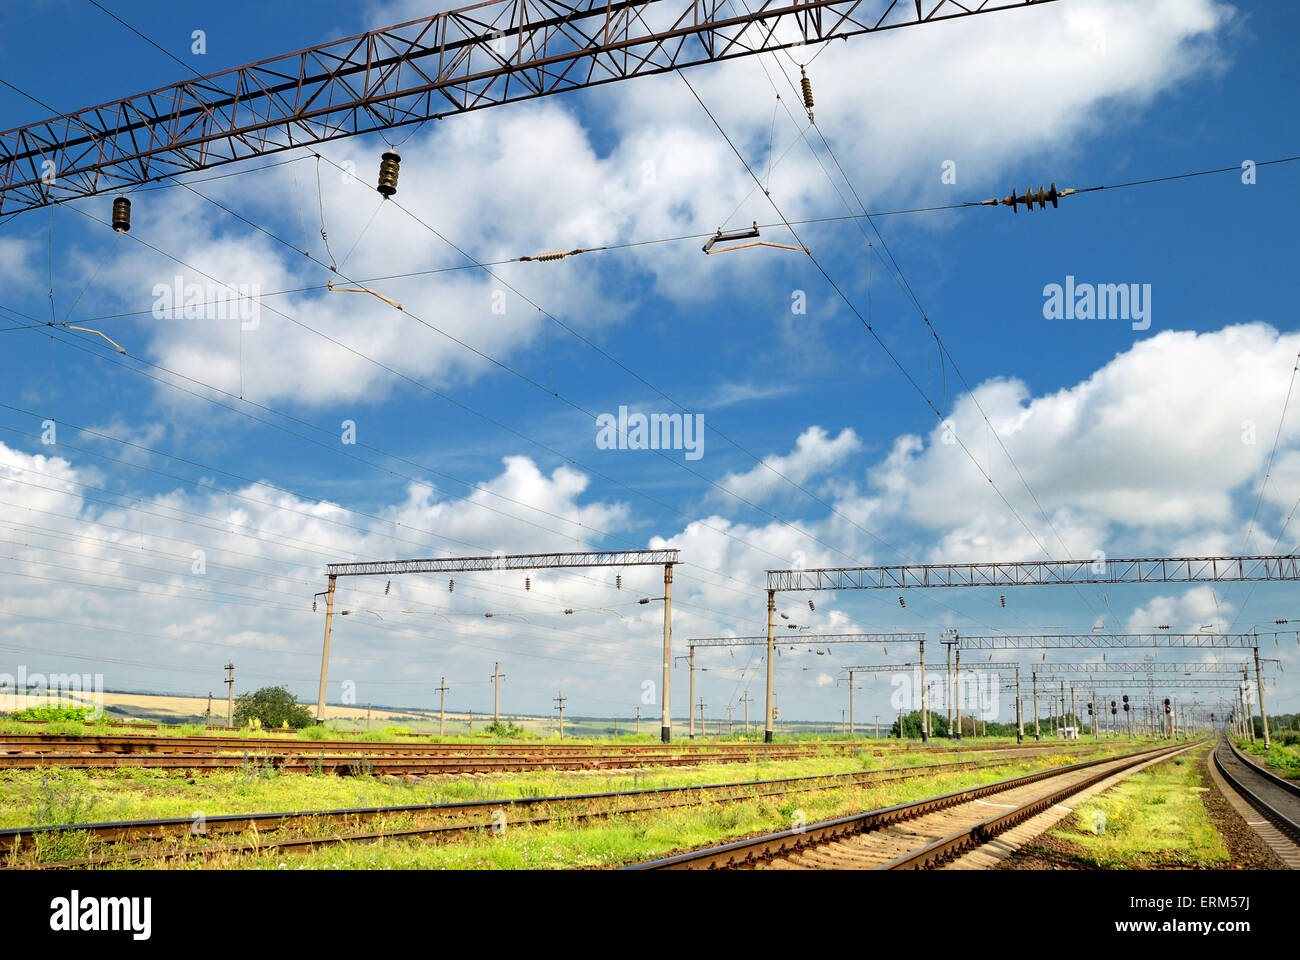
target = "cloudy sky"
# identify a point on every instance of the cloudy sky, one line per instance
(196, 485)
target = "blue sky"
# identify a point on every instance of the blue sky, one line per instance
(1131, 440)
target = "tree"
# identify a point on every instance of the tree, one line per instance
(273, 707)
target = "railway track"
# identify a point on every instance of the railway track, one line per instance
(917, 835)
(208, 754)
(1274, 797)
(444, 821)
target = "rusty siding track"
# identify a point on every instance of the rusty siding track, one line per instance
(664, 797)
(206, 754)
(758, 850)
(1277, 798)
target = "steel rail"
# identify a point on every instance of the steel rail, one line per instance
(945, 848)
(1279, 819)
(786, 841)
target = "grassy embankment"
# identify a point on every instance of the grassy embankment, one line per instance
(1152, 819)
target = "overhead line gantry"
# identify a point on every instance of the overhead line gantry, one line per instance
(516, 561)
(1221, 569)
(430, 68)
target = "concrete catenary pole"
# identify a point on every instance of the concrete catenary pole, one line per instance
(948, 676)
(1020, 720)
(230, 694)
(1263, 713)
(957, 689)
(442, 705)
(771, 654)
(1247, 715)
(925, 715)
(559, 705)
(1033, 679)
(325, 651)
(666, 725)
(691, 698)
(497, 677)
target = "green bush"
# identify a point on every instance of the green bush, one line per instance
(272, 707)
(54, 713)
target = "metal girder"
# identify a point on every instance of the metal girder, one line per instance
(1039, 572)
(1144, 666)
(517, 561)
(1111, 687)
(1065, 641)
(469, 59)
(796, 639)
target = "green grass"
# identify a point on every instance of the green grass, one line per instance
(628, 839)
(1283, 760)
(144, 793)
(1154, 818)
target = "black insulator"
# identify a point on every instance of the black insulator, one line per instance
(902, 602)
(388, 170)
(121, 214)
(618, 581)
(528, 583)
(388, 586)
(1003, 598)
(451, 586)
(810, 605)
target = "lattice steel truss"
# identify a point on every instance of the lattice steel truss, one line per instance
(469, 59)
(1067, 641)
(803, 638)
(1144, 666)
(1040, 572)
(503, 561)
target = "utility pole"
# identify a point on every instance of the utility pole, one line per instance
(1020, 720)
(207, 717)
(442, 705)
(666, 731)
(1033, 679)
(957, 692)
(771, 654)
(876, 724)
(471, 721)
(850, 703)
(948, 698)
(638, 721)
(1074, 716)
(497, 677)
(1263, 713)
(1062, 702)
(230, 695)
(559, 702)
(325, 650)
(367, 716)
(730, 730)
(703, 731)
(691, 699)
(746, 700)
(1246, 713)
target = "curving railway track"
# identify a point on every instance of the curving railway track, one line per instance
(921, 834)
(173, 838)
(1276, 799)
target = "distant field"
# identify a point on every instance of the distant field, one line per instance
(160, 708)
